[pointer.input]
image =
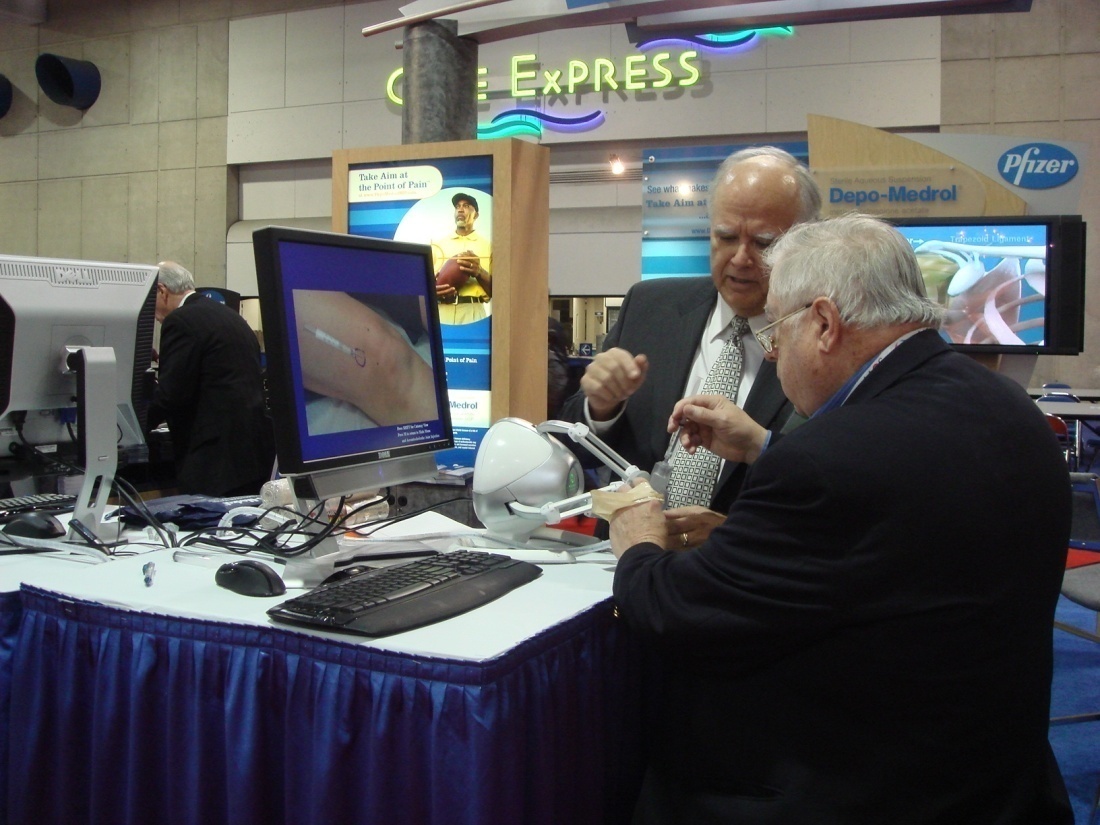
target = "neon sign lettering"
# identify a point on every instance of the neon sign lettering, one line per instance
(578, 76)
(528, 80)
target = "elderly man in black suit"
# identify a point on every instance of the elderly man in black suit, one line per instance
(672, 333)
(210, 391)
(867, 637)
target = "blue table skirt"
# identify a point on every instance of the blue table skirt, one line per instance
(122, 717)
(11, 612)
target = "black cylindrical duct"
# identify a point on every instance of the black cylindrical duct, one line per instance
(66, 81)
(5, 95)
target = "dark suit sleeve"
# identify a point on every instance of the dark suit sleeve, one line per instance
(756, 586)
(863, 515)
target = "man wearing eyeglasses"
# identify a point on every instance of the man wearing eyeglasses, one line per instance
(867, 637)
(673, 334)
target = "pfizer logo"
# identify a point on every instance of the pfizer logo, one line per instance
(1038, 165)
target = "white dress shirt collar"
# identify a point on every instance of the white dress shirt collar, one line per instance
(721, 317)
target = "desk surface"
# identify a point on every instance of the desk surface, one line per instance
(180, 702)
(187, 590)
(1084, 393)
(1071, 409)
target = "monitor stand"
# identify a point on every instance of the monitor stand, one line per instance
(311, 568)
(310, 489)
(97, 430)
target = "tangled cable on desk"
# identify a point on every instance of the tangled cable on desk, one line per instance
(120, 486)
(286, 539)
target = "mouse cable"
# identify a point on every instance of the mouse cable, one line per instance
(277, 541)
(133, 498)
(235, 538)
(90, 538)
(25, 544)
(230, 545)
(359, 508)
(375, 526)
(339, 522)
(9, 546)
(315, 539)
(125, 490)
(244, 539)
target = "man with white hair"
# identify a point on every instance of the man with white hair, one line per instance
(677, 336)
(867, 637)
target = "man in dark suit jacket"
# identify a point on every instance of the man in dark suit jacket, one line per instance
(210, 391)
(867, 638)
(670, 330)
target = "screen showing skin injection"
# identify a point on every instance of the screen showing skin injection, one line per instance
(361, 350)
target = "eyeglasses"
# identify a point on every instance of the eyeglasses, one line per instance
(768, 341)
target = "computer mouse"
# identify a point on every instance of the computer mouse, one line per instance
(249, 578)
(34, 525)
(346, 573)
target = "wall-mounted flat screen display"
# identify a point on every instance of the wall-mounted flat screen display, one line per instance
(1009, 284)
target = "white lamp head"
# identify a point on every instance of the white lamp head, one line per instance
(518, 464)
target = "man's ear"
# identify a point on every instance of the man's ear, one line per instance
(826, 318)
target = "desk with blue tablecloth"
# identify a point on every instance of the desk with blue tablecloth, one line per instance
(181, 703)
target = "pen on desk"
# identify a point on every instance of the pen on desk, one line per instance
(335, 343)
(149, 570)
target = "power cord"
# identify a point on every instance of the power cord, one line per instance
(122, 488)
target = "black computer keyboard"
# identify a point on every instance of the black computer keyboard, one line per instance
(412, 594)
(54, 502)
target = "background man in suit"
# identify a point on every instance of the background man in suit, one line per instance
(672, 330)
(210, 391)
(867, 638)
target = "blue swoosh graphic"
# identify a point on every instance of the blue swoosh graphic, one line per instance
(719, 42)
(531, 122)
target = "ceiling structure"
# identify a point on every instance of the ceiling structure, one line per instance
(23, 12)
(488, 21)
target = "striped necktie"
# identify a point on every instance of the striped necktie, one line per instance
(694, 476)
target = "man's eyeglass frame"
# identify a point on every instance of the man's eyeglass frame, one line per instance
(767, 342)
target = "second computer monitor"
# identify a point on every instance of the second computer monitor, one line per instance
(356, 375)
(51, 306)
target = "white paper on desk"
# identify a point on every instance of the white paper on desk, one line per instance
(350, 544)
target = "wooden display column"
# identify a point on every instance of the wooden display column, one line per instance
(520, 262)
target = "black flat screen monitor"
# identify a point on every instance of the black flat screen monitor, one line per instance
(355, 369)
(1008, 284)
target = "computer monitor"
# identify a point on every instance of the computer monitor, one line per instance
(1009, 284)
(76, 330)
(355, 370)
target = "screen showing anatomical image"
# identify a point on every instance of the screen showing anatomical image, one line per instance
(365, 360)
(992, 280)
